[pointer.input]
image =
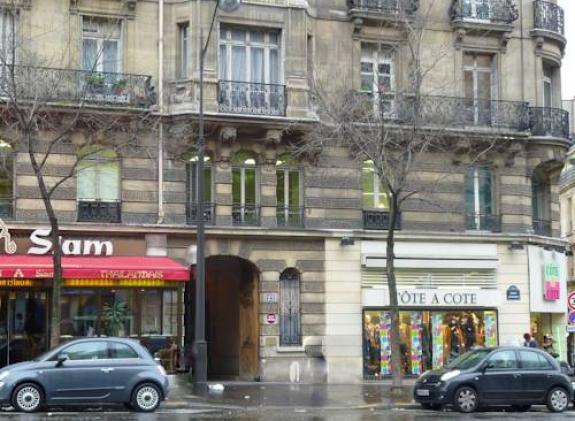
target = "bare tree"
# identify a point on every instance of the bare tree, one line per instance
(399, 129)
(46, 111)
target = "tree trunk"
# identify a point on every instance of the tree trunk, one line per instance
(396, 372)
(56, 249)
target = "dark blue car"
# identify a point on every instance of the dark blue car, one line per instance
(85, 371)
(512, 376)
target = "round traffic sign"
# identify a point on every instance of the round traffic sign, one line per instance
(572, 317)
(271, 318)
(571, 300)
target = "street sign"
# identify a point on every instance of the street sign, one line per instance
(571, 300)
(513, 293)
(572, 317)
(271, 318)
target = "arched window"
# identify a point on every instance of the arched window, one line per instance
(192, 189)
(375, 195)
(98, 182)
(289, 191)
(541, 202)
(479, 209)
(6, 180)
(245, 191)
(290, 326)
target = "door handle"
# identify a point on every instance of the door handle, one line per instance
(107, 370)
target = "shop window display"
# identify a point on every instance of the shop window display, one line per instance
(429, 339)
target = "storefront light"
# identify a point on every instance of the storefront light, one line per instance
(449, 375)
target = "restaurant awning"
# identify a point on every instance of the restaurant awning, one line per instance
(94, 267)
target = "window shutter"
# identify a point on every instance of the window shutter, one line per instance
(290, 333)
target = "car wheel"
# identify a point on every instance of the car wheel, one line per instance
(146, 397)
(466, 399)
(520, 408)
(557, 400)
(432, 406)
(28, 397)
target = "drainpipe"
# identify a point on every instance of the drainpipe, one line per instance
(161, 109)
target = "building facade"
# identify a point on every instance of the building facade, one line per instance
(296, 286)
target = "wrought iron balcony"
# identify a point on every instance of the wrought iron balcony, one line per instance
(542, 227)
(192, 215)
(6, 207)
(393, 9)
(251, 98)
(290, 216)
(546, 121)
(76, 86)
(374, 219)
(445, 112)
(99, 211)
(482, 222)
(245, 214)
(549, 17)
(484, 11)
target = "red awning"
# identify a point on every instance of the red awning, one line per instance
(95, 267)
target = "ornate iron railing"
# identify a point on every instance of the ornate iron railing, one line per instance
(374, 219)
(245, 214)
(387, 8)
(192, 215)
(490, 11)
(6, 207)
(547, 121)
(549, 16)
(444, 111)
(542, 227)
(290, 216)
(46, 84)
(482, 222)
(251, 98)
(99, 211)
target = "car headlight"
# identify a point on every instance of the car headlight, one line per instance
(449, 375)
(162, 370)
(4, 374)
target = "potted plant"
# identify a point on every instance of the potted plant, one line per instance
(119, 86)
(114, 316)
(95, 83)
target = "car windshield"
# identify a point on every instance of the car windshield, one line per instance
(469, 359)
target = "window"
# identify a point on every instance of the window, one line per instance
(87, 351)
(183, 50)
(375, 195)
(101, 47)
(541, 203)
(480, 87)
(7, 31)
(98, 182)
(479, 199)
(192, 189)
(377, 75)
(477, 9)
(118, 351)
(533, 361)
(288, 191)
(290, 312)
(503, 360)
(245, 194)
(6, 180)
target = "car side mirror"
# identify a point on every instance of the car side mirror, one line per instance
(61, 358)
(488, 366)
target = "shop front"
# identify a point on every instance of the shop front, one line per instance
(137, 297)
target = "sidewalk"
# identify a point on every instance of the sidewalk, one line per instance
(281, 395)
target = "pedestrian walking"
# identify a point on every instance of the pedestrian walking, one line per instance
(529, 342)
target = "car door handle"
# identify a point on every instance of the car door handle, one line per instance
(107, 370)
(516, 376)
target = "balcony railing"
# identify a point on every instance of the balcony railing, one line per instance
(245, 214)
(6, 207)
(482, 222)
(45, 84)
(546, 121)
(542, 227)
(251, 98)
(290, 216)
(549, 17)
(192, 215)
(385, 8)
(99, 211)
(374, 219)
(484, 11)
(444, 111)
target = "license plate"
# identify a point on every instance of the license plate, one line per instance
(422, 392)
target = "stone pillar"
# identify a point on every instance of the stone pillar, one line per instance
(223, 176)
(268, 180)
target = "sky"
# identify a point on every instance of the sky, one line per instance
(568, 66)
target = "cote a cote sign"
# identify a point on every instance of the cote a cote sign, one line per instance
(42, 244)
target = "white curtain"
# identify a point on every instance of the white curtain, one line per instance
(239, 72)
(257, 65)
(89, 54)
(110, 57)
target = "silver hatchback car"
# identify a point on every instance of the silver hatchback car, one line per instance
(85, 371)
